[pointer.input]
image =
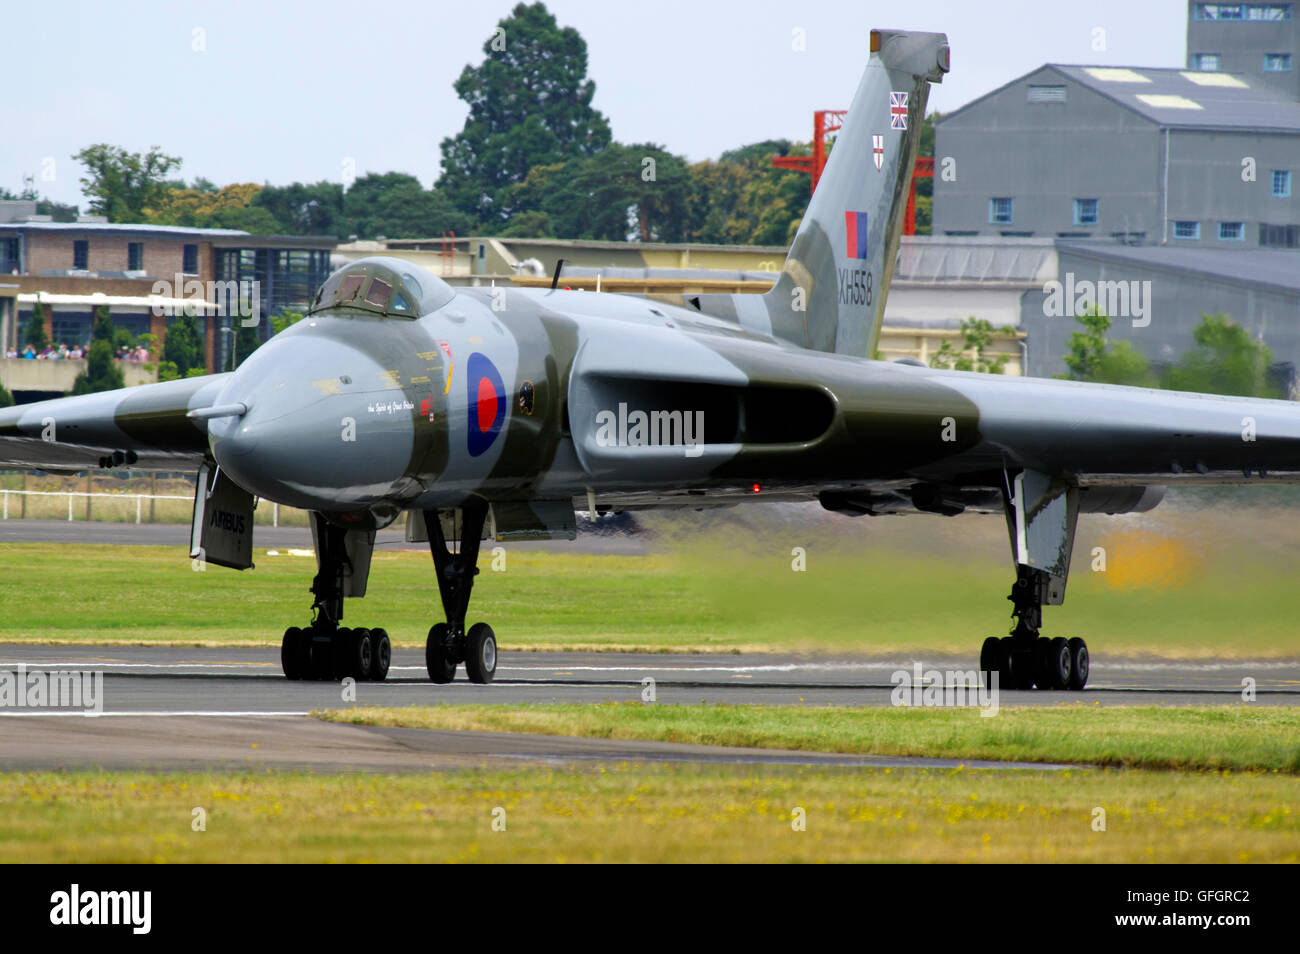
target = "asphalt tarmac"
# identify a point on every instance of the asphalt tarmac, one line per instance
(168, 707)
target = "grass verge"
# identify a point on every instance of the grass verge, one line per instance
(1250, 738)
(652, 813)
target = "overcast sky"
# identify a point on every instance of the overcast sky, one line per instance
(281, 92)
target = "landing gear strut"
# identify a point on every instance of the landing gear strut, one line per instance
(325, 650)
(449, 644)
(1026, 659)
(1041, 513)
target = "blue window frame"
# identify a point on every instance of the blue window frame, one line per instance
(1187, 230)
(1242, 11)
(190, 259)
(1277, 62)
(135, 256)
(1001, 210)
(80, 254)
(1232, 232)
(1281, 183)
(1085, 211)
(1206, 62)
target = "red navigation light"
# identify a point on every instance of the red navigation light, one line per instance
(757, 489)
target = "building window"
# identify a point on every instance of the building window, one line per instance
(80, 254)
(1001, 211)
(1205, 62)
(1242, 11)
(190, 260)
(1046, 94)
(1085, 211)
(9, 256)
(1281, 183)
(1187, 230)
(1279, 236)
(1231, 232)
(135, 256)
(1277, 62)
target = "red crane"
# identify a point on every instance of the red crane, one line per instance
(827, 121)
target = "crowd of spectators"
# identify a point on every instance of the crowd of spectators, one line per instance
(64, 352)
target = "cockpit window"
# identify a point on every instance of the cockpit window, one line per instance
(349, 288)
(379, 293)
(384, 286)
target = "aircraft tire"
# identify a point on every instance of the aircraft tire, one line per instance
(1079, 663)
(441, 668)
(480, 653)
(991, 660)
(294, 654)
(361, 655)
(382, 654)
(1054, 663)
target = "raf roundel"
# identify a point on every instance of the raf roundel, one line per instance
(485, 403)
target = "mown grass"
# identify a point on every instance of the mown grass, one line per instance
(1195, 586)
(1255, 738)
(653, 813)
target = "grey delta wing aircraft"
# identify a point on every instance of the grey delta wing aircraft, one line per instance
(495, 412)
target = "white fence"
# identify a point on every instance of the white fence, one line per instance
(139, 501)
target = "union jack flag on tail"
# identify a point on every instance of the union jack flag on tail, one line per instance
(898, 110)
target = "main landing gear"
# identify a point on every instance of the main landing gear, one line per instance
(449, 644)
(1042, 513)
(1027, 660)
(325, 650)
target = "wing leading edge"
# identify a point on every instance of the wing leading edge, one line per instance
(147, 425)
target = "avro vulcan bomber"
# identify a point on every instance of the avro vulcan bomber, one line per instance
(496, 413)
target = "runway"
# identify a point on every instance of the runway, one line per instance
(162, 679)
(187, 708)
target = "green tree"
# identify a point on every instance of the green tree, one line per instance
(102, 372)
(977, 339)
(6, 399)
(529, 104)
(743, 199)
(123, 185)
(301, 209)
(34, 332)
(395, 205)
(183, 346)
(1226, 360)
(531, 224)
(283, 320)
(1091, 356)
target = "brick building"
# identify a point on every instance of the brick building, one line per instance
(72, 266)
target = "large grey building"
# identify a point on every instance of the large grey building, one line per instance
(1198, 157)
(1259, 41)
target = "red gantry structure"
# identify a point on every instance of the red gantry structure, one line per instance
(828, 121)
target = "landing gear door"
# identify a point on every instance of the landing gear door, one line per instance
(222, 528)
(1041, 517)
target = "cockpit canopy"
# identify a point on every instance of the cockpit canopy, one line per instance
(383, 286)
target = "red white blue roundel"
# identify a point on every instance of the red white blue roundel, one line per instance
(485, 403)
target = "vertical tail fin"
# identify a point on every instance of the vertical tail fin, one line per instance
(831, 293)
